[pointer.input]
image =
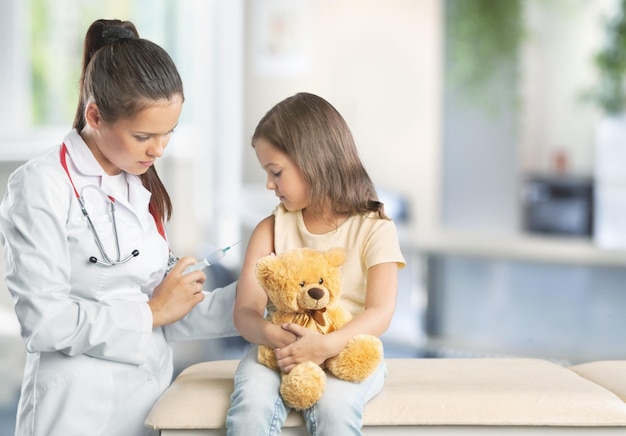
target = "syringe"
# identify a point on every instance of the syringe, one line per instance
(209, 260)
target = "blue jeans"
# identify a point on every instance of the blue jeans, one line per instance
(257, 408)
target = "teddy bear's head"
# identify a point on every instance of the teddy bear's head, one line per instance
(301, 279)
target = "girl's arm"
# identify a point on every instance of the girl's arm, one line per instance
(380, 303)
(251, 300)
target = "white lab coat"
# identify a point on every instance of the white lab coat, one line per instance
(94, 365)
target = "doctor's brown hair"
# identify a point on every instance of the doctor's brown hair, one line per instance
(124, 74)
(316, 137)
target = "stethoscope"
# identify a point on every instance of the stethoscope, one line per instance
(106, 259)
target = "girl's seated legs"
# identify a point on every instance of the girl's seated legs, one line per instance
(256, 405)
(340, 410)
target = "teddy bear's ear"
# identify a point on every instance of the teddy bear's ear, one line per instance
(335, 256)
(264, 265)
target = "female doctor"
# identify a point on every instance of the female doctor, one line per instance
(86, 254)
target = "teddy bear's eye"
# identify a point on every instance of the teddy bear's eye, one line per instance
(302, 283)
(321, 281)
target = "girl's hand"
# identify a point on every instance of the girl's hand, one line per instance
(177, 294)
(310, 346)
(279, 337)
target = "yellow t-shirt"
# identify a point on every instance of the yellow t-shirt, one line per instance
(367, 239)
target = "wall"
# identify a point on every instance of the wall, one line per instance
(489, 305)
(378, 63)
(562, 37)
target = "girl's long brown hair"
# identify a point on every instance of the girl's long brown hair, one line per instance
(123, 74)
(313, 133)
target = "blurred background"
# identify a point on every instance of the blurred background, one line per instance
(488, 126)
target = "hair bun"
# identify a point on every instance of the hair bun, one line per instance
(113, 32)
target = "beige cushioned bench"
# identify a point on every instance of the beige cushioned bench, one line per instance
(438, 396)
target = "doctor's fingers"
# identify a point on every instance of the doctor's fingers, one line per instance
(186, 296)
(182, 304)
(197, 277)
(187, 288)
(178, 279)
(169, 304)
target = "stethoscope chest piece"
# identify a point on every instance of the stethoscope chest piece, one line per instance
(106, 260)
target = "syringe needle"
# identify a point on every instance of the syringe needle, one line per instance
(209, 260)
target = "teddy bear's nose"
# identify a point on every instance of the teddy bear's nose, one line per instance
(316, 293)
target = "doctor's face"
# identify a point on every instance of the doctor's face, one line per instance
(132, 144)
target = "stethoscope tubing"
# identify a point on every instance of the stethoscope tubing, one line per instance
(106, 259)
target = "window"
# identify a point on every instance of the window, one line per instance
(41, 47)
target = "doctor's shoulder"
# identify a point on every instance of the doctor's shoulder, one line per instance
(41, 179)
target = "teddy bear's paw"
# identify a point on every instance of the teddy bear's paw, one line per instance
(359, 360)
(303, 386)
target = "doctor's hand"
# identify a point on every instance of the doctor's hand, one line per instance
(177, 294)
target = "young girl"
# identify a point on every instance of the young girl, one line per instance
(86, 254)
(326, 200)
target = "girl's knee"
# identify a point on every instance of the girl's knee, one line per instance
(339, 409)
(334, 418)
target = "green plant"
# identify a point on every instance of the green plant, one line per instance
(609, 93)
(483, 43)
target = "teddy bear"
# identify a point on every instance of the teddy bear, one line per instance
(304, 286)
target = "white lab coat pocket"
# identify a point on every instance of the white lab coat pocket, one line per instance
(72, 396)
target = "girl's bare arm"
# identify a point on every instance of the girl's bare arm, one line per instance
(251, 299)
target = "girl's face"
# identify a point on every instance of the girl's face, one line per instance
(132, 144)
(283, 176)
